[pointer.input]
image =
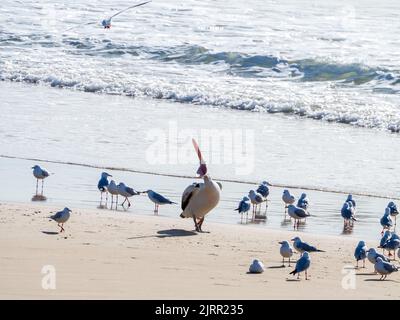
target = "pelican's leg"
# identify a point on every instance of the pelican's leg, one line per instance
(201, 223)
(195, 224)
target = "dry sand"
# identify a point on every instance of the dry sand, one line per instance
(120, 255)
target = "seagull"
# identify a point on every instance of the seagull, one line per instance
(102, 186)
(303, 202)
(287, 199)
(297, 214)
(361, 253)
(198, 199)
(244, 207)
(264, 191)
(112, 188)
(386, 221)
(384, 268)
(386, 236)
(392, 244)
(106, 23)
(39, 174)
(126, 192)
(302, 265)
(157, 199)
(347, 213)
(256, 199)
(256, 267)
(350, 199)
(61, 217)
(393, 210)
(302, 247)
(372, 255)
(286, 251)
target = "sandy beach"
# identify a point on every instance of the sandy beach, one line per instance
(108, 255)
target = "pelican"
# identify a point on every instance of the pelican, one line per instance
(287, 198)
(198, 199)
(106, 23)
(112, 188)
(244, 207)
(39, 174)
(102, 186)
(157, 199)
(126, 192)
(61, 217)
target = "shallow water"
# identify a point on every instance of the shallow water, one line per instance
(110, 131)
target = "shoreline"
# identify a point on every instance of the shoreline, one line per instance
(128, 256)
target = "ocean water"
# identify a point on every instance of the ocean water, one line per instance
(311, 89)
(336, 61)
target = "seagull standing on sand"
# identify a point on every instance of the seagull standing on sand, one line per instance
(112, 188)
(157, 199)
(198, 199)
(302, 265)
(361, 253)
(392, 244)
(102, 186)
(372, 255)
(393, 211)
(347, 213)
(302, 247)
(256, 199)
(61, 217)
(384, 268)
(386, 221)
(126, 192)
(263, 190)
(244, 207)
(286, 251)
(297, 214)
(39, 174)
(288, 199)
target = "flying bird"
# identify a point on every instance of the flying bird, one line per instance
(106, 23)
(157, 199)
(39, 174)
(199, 199)
(61, 217)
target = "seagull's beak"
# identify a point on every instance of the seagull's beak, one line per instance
(280, 242)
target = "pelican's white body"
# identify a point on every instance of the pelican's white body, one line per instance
(203, 200)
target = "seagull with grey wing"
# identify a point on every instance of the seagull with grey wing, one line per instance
(106, 23)
(393, 211)
(386, 221)
(102, 186)
(244, 207)
(288, 199)
(157, 199)
(361, 253)
(40, 174)
(263, 190)
(302, 265)
(126, 192)
(61, 217)
(112, 188)
(297, 214)
(286, 251)
(347, 213)
(256, 199)
(384, 268)
(302, 247)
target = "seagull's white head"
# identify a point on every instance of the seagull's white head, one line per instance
(67, 209)
(35, 167)
(303, 195)
(286, 191)
(105, 175)
(387, 234)
(361, 244)
(284, 243)
(245, 198)
(306, 255)
(296, 239)
(266, 183)
(391, 204)
(349, 197)
(387, 211)
(372, 251)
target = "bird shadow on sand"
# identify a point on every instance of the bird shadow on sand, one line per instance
(38, 197)
(168, 234)
(366, 274)
(378, 280)
(50, 233)
(277, 267)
